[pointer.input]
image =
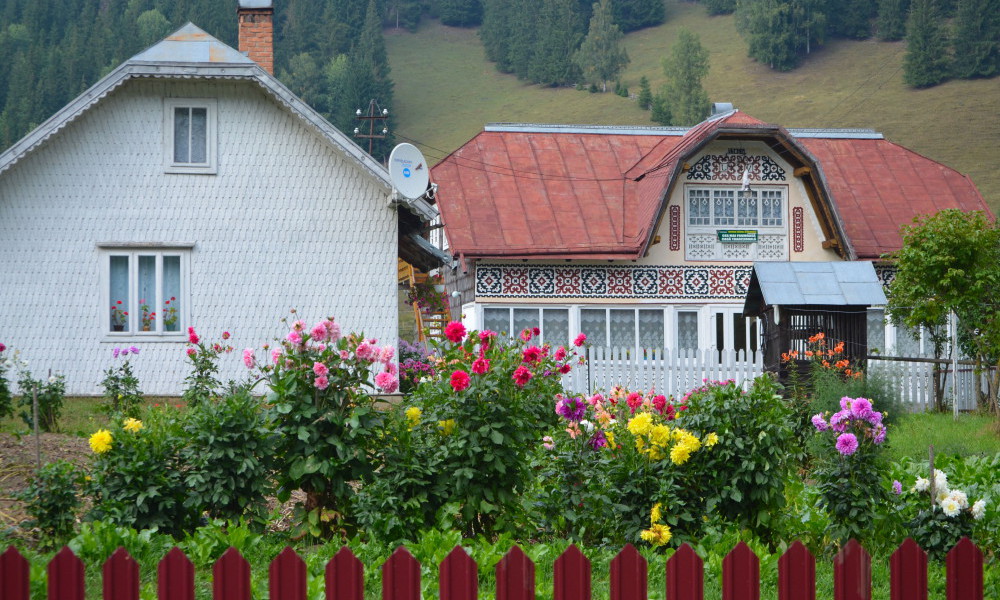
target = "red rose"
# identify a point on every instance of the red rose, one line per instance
(455, 332)
(459, 380)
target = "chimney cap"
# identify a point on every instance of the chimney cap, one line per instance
(256, 3)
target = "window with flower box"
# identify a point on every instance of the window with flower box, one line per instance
(144, 291)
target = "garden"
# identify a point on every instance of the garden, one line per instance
(484, 449)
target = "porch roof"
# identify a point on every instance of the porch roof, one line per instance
(849, 283)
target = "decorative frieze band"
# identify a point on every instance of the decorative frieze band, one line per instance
(730, 167)
(675, 228)
(702, 282)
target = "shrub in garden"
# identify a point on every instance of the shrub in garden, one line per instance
(6, 399)
(137, 476)
(322, 388)
(849, 465)
(413, 365)
(469, 432)
(122, 396)
(52, 500)
(227, 453)
(201, 385)
(963, 502)
(50, 393)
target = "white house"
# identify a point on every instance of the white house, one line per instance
(644, 237)
(192, 184)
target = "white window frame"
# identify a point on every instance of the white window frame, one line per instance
(709, 193)
(134, 329)
(541, 319)
(210, 167)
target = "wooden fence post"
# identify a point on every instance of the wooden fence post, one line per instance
(685, 575)
(852, 573)
(287, 576)
(964, 565)
(629, 575)
(458, 576)
(515, 576)
(231, 576)
(14, 575)
(908, 572)
(741, 574)
(797, 573)
(175, 576)
(120, 576)
(571, 574)
(345, 577)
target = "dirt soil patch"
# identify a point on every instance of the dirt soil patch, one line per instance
(18, 456)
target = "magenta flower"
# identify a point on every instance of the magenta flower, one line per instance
(390, 367)
(275, 355)
(847, 444)
(571, 409)
(480, 366)
(459, 380)
(365, 351)
(116, 352)
(387, 382)
(133, 350)
(897, 487)
(521, 376)
(2, 347)
(294, 337)
(248, 358)
(321, 382)
(580, 340)
(333, 330)
(560, 353)
(226, 335)
(455, 332)
(192, 336)
(532, 354)
(320, 369)
(344, 355)
(819, 422)
(526, 334)
(191, 351)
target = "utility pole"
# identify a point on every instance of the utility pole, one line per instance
(374, 114)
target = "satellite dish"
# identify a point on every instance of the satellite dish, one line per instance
(408, 171)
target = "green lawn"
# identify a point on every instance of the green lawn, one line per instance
(446, 91)
(971, 434)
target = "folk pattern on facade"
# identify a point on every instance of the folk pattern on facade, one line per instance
(708, 282)
(730, 167)
(675, 228)
(798, 234)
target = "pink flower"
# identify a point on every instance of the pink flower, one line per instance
(390, 367)
(459, 380)
(319, 331)
(320, 369)
(560, 353)
(116, 352)
(480, 366)
(536, 331)
(385, 354)
(365, 351)
(192, 336)
(275, 355)
(299, 325)
(847, 444)
(580, 340)
(344, 355)
(321, 382)
(294, 337)
(521, 376)
(526, 334)
(225, 335)
(634, 400)
(387, 382)
(548, 443)
(191, 351)
(248, 358)
(2, 347)
(565, 368)
(455, 332)
(660, 403)
(333, 330)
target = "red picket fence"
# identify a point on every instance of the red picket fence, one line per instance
(515, 575)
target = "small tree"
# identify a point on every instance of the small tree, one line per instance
(645, 94)
(926, 62)
(977, 38)
(686, 66)
(601, 56)
(950, 261)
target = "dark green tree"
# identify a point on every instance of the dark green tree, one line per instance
(850, 18)
(497, 32)
(636, 14)
(601, 57)
(719, 7)
(977, 38)
(660, 111)
(926, 62)
(460, 13)
(686, 66)
(890, 24)
(778, 32)
(645, 94)
(557, 38)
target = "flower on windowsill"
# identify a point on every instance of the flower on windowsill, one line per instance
(169, 312)
(119, 316)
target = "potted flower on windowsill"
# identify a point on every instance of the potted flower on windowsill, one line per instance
(169, 314)
(148, 318)
(119, 316)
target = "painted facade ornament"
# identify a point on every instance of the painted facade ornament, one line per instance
(732, 167)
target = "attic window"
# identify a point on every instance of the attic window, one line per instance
(189, 129)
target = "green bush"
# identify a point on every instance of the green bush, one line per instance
(201, 385)
(51, 394)
(137, 475)
(122, 395)
(228, 457)
(52, 500)
(469, 432)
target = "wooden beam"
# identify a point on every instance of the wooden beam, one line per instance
(832, 243)
(656, 240)
(686, 167)
(802, 171)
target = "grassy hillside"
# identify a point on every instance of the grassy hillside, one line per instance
(446, 92)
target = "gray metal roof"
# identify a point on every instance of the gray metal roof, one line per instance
(848, 283)
(190, 44)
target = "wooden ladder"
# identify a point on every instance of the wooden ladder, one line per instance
(428, 325)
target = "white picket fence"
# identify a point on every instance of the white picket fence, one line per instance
(666, 371)
(914, 383)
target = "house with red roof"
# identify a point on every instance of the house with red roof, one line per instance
(645, 237)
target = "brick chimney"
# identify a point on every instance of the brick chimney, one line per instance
(256, 32)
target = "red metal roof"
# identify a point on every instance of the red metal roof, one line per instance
(597, 193)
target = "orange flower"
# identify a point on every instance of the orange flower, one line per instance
(839, 348)
(809, 353)
(840, 364)
(819, 336)
(826, 364)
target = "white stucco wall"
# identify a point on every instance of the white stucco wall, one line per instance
(287, 222)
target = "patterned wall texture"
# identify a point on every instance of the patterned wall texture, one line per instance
(707, 282)
(730, 167)
(286, 223)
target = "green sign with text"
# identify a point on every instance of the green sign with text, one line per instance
(737, 236)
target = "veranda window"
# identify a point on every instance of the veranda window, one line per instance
(553, 323)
